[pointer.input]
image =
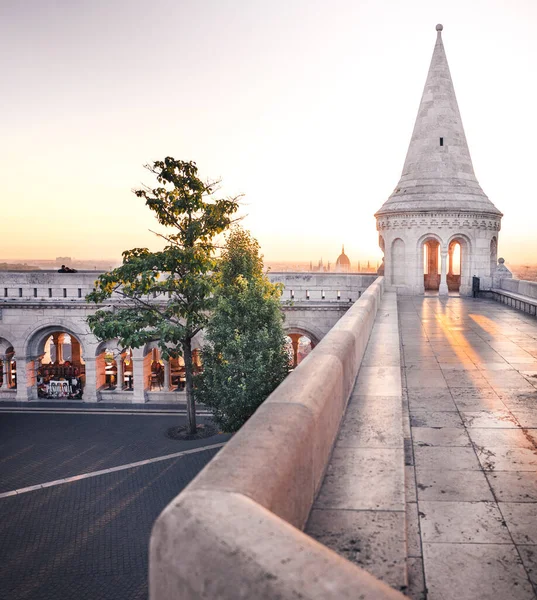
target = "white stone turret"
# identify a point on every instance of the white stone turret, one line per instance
(438, 202)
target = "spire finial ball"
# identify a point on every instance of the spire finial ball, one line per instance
(439, 27)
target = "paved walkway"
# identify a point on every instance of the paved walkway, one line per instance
(360, 509)
(470, 377)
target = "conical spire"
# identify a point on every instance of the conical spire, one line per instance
(438, 174)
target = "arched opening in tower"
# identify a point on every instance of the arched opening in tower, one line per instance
(431, 264)
(454, 266)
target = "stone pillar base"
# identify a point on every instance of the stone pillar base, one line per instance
(443, 290)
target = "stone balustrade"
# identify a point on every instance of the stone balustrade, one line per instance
(235, 531)
(517, 293)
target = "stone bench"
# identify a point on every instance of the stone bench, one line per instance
(236, 531)
(518, 301)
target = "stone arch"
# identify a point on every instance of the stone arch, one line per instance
(398, 262)
(8, 380)
(466, 247)
(302, 331)
(35, 337)
(428, 267)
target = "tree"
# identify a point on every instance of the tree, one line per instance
(245, 356)
(167, 295)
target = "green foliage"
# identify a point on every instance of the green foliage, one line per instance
(167, 295)
(245, 357)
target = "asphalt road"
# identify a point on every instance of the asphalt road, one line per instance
(89, 538)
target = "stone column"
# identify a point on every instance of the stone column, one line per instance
(139, 376)
(443, 290)
(89, 394)
(166, 387)
(120, 376)
(23, 365)
(75, 352)
(3, 383)
(294, 341)
(57, 345)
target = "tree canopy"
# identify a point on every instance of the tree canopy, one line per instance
(167, 296)
(245, 356)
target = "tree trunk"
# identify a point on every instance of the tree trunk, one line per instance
(190, 403)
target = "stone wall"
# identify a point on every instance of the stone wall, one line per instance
(520, 286)
(33, 304)
(235, 531)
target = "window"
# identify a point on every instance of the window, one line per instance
(20, 292)
(80, 292)
(322, 294)
(338, 295)
(35, 292)
(292, 294)
(6, 293)
(65, 292)
(441, 141)
(307, 294)
(50, 292)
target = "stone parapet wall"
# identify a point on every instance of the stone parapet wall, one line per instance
(235, 531)
(325, 287)
(520, 286)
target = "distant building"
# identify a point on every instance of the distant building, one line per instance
(343, 264)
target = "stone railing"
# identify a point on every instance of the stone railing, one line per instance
(235, 531)
(518, 293)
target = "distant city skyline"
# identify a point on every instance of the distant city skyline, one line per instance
(305, 107)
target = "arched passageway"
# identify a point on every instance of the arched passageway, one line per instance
(60, 367)
(454, 266)
(298, 347)
(114, 368)
(431, 265)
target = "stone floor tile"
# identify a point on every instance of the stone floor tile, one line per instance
(474, 404)
(410, 484)
(453, 486)
(528, 554)
(416, 581)
(521, 519)
(526, 418)
(502, 419)
(364, 479)
(465, 379)
(379, 381)
(475, 572)
(445, 436)
(470, 393)
(371, 424)
(447, 459)
(413, 538)
(428, 418)
(493, 458)
(513, 486)
(511, 438)
(425, 379)
(462, 522)
(433, 400)
(372, 540)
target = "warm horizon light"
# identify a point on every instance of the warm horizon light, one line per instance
(304, 107)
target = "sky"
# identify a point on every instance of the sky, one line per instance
(306, 107)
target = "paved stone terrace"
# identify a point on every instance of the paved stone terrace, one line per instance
(86, 539)
(360, 509)
(470, 378)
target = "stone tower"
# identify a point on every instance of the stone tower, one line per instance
(438, 228)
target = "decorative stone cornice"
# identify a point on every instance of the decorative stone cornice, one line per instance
(440, 220)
